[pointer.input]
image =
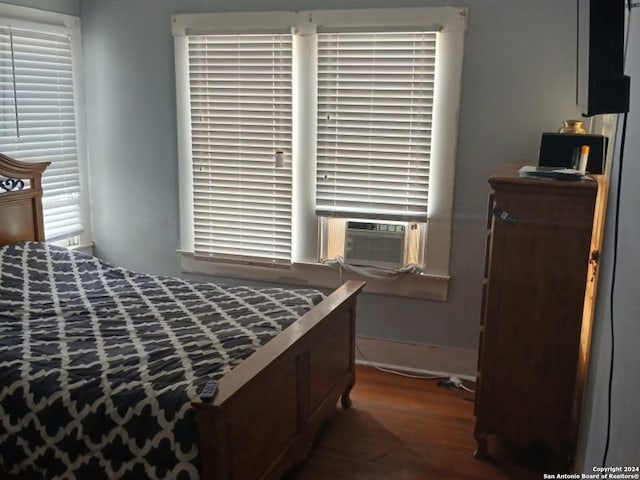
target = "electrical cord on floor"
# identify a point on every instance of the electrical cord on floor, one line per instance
(453, 383)
(464, 387)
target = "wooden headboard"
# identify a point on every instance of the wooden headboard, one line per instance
(20, 200)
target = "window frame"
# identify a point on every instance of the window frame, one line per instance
(449, 22)
(60, 23)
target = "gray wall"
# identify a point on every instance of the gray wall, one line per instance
(68, 7)
(624, 448)
(518, 81)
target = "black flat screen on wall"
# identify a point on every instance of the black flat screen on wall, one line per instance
(602, 86)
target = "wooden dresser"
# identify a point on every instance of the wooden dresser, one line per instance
(537, 261)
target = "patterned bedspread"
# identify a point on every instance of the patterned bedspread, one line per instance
(98, 364)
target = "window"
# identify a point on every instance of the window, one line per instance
(375, 98)
(240, 97)
(39, 111)
(293, 124)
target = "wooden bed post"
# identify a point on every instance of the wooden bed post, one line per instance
(21, 207)
(345, 399)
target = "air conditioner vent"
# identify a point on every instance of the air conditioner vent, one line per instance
(375, 244)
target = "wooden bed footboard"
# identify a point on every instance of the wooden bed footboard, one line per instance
(270, 407)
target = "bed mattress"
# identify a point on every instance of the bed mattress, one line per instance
(99, 364)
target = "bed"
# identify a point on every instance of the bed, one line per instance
(272, 395)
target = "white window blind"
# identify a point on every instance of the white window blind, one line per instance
(38, 120)
(240, 101)
(375, 97)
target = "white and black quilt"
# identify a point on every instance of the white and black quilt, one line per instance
(98, 364)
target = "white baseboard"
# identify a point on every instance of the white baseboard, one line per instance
(431, 360)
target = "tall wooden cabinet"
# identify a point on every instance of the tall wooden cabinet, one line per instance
(538, 252)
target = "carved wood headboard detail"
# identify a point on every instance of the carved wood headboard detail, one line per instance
(21, 200)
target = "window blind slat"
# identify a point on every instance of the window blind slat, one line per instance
(375, 97)
(240, 96)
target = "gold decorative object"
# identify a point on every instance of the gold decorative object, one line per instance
(573, 126)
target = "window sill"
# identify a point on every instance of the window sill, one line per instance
(426, 287)
(84, 247)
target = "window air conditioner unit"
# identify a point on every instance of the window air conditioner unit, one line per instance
(374, 244)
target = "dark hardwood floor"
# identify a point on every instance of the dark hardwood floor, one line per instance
(407, 429)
